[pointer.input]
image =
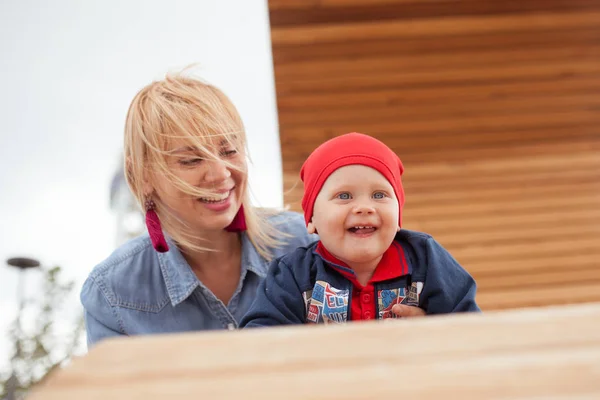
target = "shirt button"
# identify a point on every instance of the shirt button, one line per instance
(366, 298)
(367, 315)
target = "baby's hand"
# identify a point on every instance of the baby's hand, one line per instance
(404, 311)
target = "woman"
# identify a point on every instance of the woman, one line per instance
(185, 156)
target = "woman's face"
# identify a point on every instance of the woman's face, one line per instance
(225, 185)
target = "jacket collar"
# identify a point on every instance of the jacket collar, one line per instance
(393, 264)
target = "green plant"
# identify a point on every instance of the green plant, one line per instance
(47, 342)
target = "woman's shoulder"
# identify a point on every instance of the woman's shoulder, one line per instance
(291, 223)
(292, 227)
(123, 256)
(128, 266)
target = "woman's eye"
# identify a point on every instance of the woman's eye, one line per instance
(188, 162)
(228, 153)
(379, 195)
(344, 196)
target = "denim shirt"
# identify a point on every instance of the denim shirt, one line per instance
(139, 291)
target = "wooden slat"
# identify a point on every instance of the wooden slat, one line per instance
(524, 250)
(427, 133)
(539, 296)
(468, 76)
(429, 27)
(325, 12)
(573, 230)
(565, 86)
(518, 205)
(527, 279)
(298, 5)
(484, 167)
(448, 61)
(349, 50)
(502, 221)
(562, 263)
(419, 112)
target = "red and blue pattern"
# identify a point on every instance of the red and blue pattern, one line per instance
(326, 304)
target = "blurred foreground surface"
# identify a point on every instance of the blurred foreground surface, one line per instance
(525, 354)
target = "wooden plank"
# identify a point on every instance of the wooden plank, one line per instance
(509, 180)
(478, 251)
(539, 296)
(472, 75)
(433, 27)
(565, 86)
(324, 13)
(447, 61)
(573, 230)
(334, 4)
(308, 4)
(470, 356)
(370, 3)
(481, 195)
(516, 205)
(350, 50)
(502, 221)
(562, 263)
(526, 279)
(419, 112)
(486, 168)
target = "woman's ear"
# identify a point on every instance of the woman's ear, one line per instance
(147, 186)
(148, 189)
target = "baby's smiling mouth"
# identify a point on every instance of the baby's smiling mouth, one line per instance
(362, 229)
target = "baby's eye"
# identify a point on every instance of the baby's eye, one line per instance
(379, 195)
(344, 196)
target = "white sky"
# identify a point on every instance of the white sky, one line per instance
(69, 70)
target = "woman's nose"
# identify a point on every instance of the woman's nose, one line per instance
(217, 171)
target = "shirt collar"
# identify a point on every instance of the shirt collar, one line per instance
(392, 265)
(181, 281)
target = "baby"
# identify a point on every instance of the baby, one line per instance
(364, 263)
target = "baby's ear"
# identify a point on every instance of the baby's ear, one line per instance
(398, 230)
(311, 228)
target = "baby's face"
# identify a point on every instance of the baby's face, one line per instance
(356, 215)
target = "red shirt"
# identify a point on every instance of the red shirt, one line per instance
(363, 304)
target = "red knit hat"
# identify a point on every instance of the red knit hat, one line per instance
(349, 149)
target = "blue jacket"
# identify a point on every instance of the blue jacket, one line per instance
(302, 287)
(139, 291)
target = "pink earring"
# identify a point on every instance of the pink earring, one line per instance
(154, 229)
(239, 222)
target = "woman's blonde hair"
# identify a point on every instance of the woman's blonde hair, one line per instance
(179, 107)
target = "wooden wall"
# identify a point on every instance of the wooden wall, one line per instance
(494, 108)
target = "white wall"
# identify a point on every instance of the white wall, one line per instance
(69, 69)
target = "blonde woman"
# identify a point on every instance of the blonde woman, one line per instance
(207, 249)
